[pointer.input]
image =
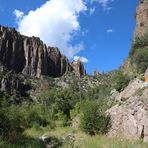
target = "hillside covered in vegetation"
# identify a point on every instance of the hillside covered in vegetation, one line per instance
(48, 102)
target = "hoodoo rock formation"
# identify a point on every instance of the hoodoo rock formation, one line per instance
(30, 56)
(78, 68)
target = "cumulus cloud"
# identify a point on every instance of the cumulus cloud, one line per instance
(55, 22)
(82, 59)
(19, 15)
(109, 30)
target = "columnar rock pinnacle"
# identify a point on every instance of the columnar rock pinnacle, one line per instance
(141, 19)
(30, 56)
(78, 68)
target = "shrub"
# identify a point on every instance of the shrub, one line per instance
(139, 53)
(140, 42)
(74, 112)
(120, 81)
(4, 124)
(92, 120)
(18, 118)
(62, 118)
(140, 58)
(10, 121)
(35, 114)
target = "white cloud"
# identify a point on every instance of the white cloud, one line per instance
(55, 22)
(103, 3)
(83, 33)
(109, 8)
(82, 59)
(19, 15)
(109, 30)
(92, 10)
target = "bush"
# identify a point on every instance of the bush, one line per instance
(120, 81)
(18, 118)
(139, 54)
(140, 42)
(62, 119)
(92, 120)
(34, 118)
(140, 58)
(4, 124)
(74, 112)
(10, 121)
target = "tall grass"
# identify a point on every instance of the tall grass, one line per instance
(22, 142)
(99, 141)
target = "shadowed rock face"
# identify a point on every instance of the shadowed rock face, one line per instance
(30, 55)
(14, 85)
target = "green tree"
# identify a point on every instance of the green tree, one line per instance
(92, 120)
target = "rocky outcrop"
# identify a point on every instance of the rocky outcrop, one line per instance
(146, 76)
(96, 73)
(78, 68)
(30, 56)
(130, 90)
(129, 117)
(14, 85)
(141, 19)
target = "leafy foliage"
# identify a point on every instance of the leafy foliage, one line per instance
(92, 120)
(139, 53)
(120, 81)
(140, 58)
(56, 107)
(15, 119)
(140, 42)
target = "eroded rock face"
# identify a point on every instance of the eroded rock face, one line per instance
(130, 116)
(96, 73)
(130, 90)
(141, 19)
(14, 85)
(78, 68)
(30, 56)
(146, 75)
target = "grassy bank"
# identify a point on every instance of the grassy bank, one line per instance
(72, 138)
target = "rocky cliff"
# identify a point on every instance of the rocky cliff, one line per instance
(129, 116)
(30, 56)
(139, 39)
(141, 19)
(78, 68)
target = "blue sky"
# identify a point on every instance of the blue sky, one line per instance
(99, 32)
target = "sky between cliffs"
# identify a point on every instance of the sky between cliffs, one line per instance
(98, 32)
